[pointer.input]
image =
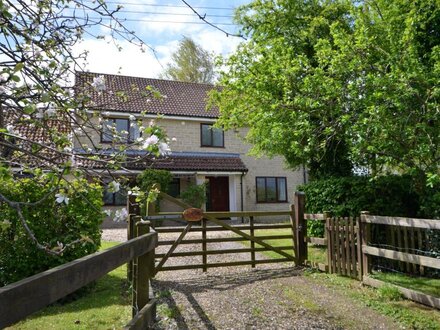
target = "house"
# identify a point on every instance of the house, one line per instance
(200, 153)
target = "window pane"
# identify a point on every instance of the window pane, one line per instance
(271, 189)
(107, 135)
(134, 131)
(122, 126)
(261, 190)
(121, 197)
(217, 137)
(108, 198)
(282, 189)
(206, 135)
(174, 188)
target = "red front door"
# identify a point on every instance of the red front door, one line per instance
(218, 193)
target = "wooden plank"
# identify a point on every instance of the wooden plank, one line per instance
(252, 233)
(343, 245)
(334, 233)
(314, 216)
(353, 248)
(328, 235)
(420, 247)
(144, 319)
(402, 256)
(29, 295)
(417, 296)
(365, 239)
(293, 228)
(204, 245)
(315, 240)
(225, 239)
(347, 247)
(359, 249)
(301, 227)
(225, 225)
(226, 264)
(173, 247)
(406, 247)
(400, 245)
(216, 252)
(194, 228)
(403, 222)
(337, 247)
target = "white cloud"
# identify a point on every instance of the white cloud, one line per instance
(105, 57)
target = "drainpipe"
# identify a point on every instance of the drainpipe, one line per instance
(241, 193)
(304, 174)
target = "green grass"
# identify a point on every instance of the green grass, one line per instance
(315, 253)
(386, 301)
(423, 284)
(106, 306)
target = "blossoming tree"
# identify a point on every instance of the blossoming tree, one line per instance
(41, 116)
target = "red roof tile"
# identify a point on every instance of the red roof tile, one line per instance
(180, 98)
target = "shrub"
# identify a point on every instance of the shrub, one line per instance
(194, 195)
(151, 178)
(50, 221)
(348, 196)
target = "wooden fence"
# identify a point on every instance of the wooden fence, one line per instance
(29, 295)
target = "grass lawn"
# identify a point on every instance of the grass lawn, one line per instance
(106, 306)
(316, 253)
(423, 284)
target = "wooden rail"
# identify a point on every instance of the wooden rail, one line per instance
(29, 295)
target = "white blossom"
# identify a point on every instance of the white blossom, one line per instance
(108, 212)
(51, 110)
(132, 118)
(11, 129)
(120, 215)
(40, 114)
(113, 186)
(152, 140)
(164, 149)
(99, 83)
(60, 198)
(173, 139)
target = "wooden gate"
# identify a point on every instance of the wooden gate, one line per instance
(246, 232)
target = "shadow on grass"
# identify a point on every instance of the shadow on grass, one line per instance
(199, 284)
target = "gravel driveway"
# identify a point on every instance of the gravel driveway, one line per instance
(271, 296)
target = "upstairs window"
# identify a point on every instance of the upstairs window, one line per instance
(212, 136)
(271, 190)
(127, 132)
(174, 188)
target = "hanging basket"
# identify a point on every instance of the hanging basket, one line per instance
(193, 214)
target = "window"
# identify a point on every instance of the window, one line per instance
(118, 198)
(212, 136)
(174, 188)
(271, 189)
(128, 131)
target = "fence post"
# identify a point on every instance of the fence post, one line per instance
(328, 237)
(293, 224)
(301, 227)
(143, 272)
(365, 238)
(133, 210)
(204, 246)
(252, 233)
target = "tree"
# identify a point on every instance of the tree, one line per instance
(40, 118)
(338, 80)
(191, 63)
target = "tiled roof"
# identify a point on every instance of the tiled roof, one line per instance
(179, 161)
(180, 98)
(36, 147)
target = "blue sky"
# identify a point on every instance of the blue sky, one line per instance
(161, 24)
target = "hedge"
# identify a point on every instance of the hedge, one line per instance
(50, 221)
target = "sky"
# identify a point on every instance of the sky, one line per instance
(161, 25)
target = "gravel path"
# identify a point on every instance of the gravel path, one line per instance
(271, 296)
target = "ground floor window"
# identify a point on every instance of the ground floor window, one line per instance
(174, 187)
(271, 189)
